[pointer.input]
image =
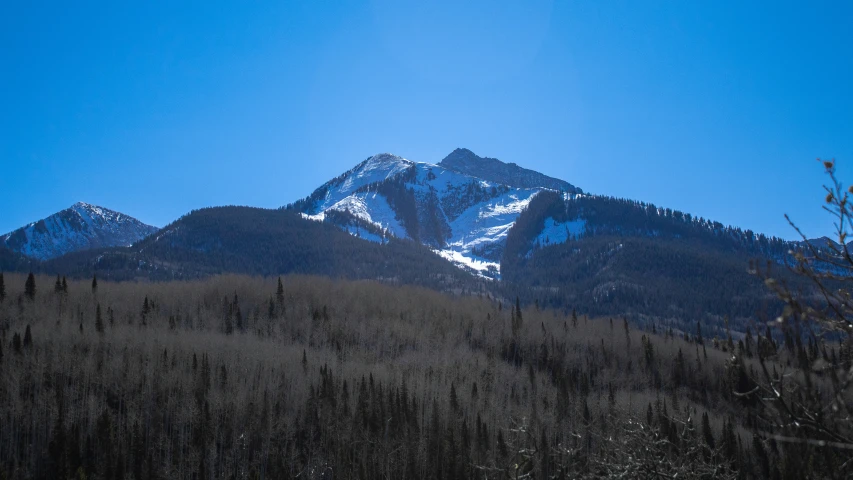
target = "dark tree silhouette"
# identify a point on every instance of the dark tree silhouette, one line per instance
(30, 286)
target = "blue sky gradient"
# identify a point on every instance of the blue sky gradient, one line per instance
(718, 109)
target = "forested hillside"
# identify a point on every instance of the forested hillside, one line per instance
(263, 242)
(13, 261)
(635, 259)
(239, 377)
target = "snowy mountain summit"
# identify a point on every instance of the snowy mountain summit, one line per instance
(462, 207)
(80, 227)
(467, 162)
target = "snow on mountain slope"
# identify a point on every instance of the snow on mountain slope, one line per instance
(81, 227)
(488, 223)
(463, 217)
(373, 208)
(373, 170)
(559, 232)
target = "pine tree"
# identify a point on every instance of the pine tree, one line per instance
(146, 309)
(238, 314)
(57, 287)
(28, 337)
(707, 433)
(518, 312)
(279, 293)
(95, 283)
(748, 342)
(64, 285)
(2, 288)
(699, 339)
(454, 399)
(99, 321)
(30, 287)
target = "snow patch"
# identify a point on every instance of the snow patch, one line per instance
(374, 209)
(556, 232)
(481, 266)
(364, 235)
(488, 222)
(316, 218)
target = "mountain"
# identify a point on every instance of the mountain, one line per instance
(265, 242)
(447, 207)
(620, 257)
(80, 227)
(550, 243)
(540, 239)
(493, 170)
(826, 243)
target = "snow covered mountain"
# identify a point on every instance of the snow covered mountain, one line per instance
(462, 207)
(80, 227)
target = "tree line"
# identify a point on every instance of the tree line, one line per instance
(246, 377)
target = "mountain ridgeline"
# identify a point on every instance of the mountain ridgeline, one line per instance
(80, 227)
(467, 223)
(258, 241)
(467, 162)
(635, 259)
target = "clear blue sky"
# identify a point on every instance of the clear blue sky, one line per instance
(714, 108)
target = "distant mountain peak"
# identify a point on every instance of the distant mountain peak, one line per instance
(382, 163)
(82, 226)
(467, 162)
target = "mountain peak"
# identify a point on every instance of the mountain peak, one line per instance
(82, 226)
(467, 162)
(384, 160)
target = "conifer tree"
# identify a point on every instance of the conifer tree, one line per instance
(16, 342)
(99, 320)
(454, 400)
(146, 309)
(64, 285)
(95, 283)
(279, 293)
(699, 339)
(2, 288)
(57, 287)
(238, 314)
(707, 433)
(28, 337)
(30, 286)
(518, 311)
